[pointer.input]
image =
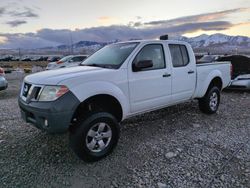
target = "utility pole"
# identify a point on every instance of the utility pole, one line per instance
(71, 43)
(19, 53)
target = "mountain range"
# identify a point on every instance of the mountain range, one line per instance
(218, 40)
(214, 44)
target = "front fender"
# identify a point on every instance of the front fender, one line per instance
(87, 90)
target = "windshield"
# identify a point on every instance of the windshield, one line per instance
(111, 56)
(64, 59)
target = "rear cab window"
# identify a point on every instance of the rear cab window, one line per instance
(179, 55)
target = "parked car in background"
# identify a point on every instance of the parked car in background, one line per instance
(15, 58)
(38, 58)
(45, 58)
(68, 61)
(198, 56)
(241, 82)
(240, 71)
(6, 58)
(207, 59)
(3, 81)
(26, 58)
(240, 64)
(54, 58)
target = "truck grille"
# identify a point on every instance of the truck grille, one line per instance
(30, 92)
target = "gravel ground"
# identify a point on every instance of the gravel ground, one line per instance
(174, 147)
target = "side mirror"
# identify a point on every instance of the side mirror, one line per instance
(143, 64)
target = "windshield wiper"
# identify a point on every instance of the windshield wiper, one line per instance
(99, 65)
(92, 65)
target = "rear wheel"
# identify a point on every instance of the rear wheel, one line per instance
(209, 104)
(95, 136)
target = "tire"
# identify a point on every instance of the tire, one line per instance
(209, 104)
(87, 143)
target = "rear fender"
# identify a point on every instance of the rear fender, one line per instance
(201, 91)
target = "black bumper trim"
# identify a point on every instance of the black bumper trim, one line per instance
(58, 113)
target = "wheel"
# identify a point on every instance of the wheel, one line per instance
(210, 102)
(95, 136)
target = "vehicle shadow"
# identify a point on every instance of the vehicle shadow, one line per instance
(236, 91)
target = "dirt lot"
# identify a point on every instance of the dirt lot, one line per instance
(174, 147)
(23, 64)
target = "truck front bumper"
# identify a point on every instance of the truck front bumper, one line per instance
(53, 117)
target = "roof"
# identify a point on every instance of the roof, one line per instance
(156, 40)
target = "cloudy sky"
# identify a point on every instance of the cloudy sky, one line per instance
(40, 23)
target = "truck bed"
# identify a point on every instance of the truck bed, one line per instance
(203, 69)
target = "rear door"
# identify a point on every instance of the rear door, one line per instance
(150, 87)
(183, 73)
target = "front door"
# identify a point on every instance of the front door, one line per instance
(150, 88)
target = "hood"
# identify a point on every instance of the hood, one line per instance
(53, 77)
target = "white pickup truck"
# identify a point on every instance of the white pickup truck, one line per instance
(117, 82)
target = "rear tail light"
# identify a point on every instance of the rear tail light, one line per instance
(59, 62)
(231, 70)
(1, 71)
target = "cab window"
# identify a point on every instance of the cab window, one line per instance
(179, 55)
(153, 52)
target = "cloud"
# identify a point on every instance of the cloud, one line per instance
(24, 41)
(134, 30)
(16, 23)
(26, 13)
(3, 39)
(104, 18)
(2, 11)
(61, 36)
(107, 20)
(196, 18)
(51, 37)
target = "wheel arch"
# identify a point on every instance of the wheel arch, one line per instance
(100, 102)
(86, 91)
(214, 78)
(217, 81)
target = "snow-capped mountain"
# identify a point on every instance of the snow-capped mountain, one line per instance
(217, 43)
(218, 40)
(203, 41)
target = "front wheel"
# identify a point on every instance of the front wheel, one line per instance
(95, 136)
(209, 104)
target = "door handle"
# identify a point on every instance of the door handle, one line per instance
(190, 72)
(166, 75)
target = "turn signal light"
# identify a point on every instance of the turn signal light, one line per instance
(62, 91)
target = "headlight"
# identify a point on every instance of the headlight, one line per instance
(51, 93)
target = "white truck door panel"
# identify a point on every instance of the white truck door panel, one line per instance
(183, 73)
(151, 87)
